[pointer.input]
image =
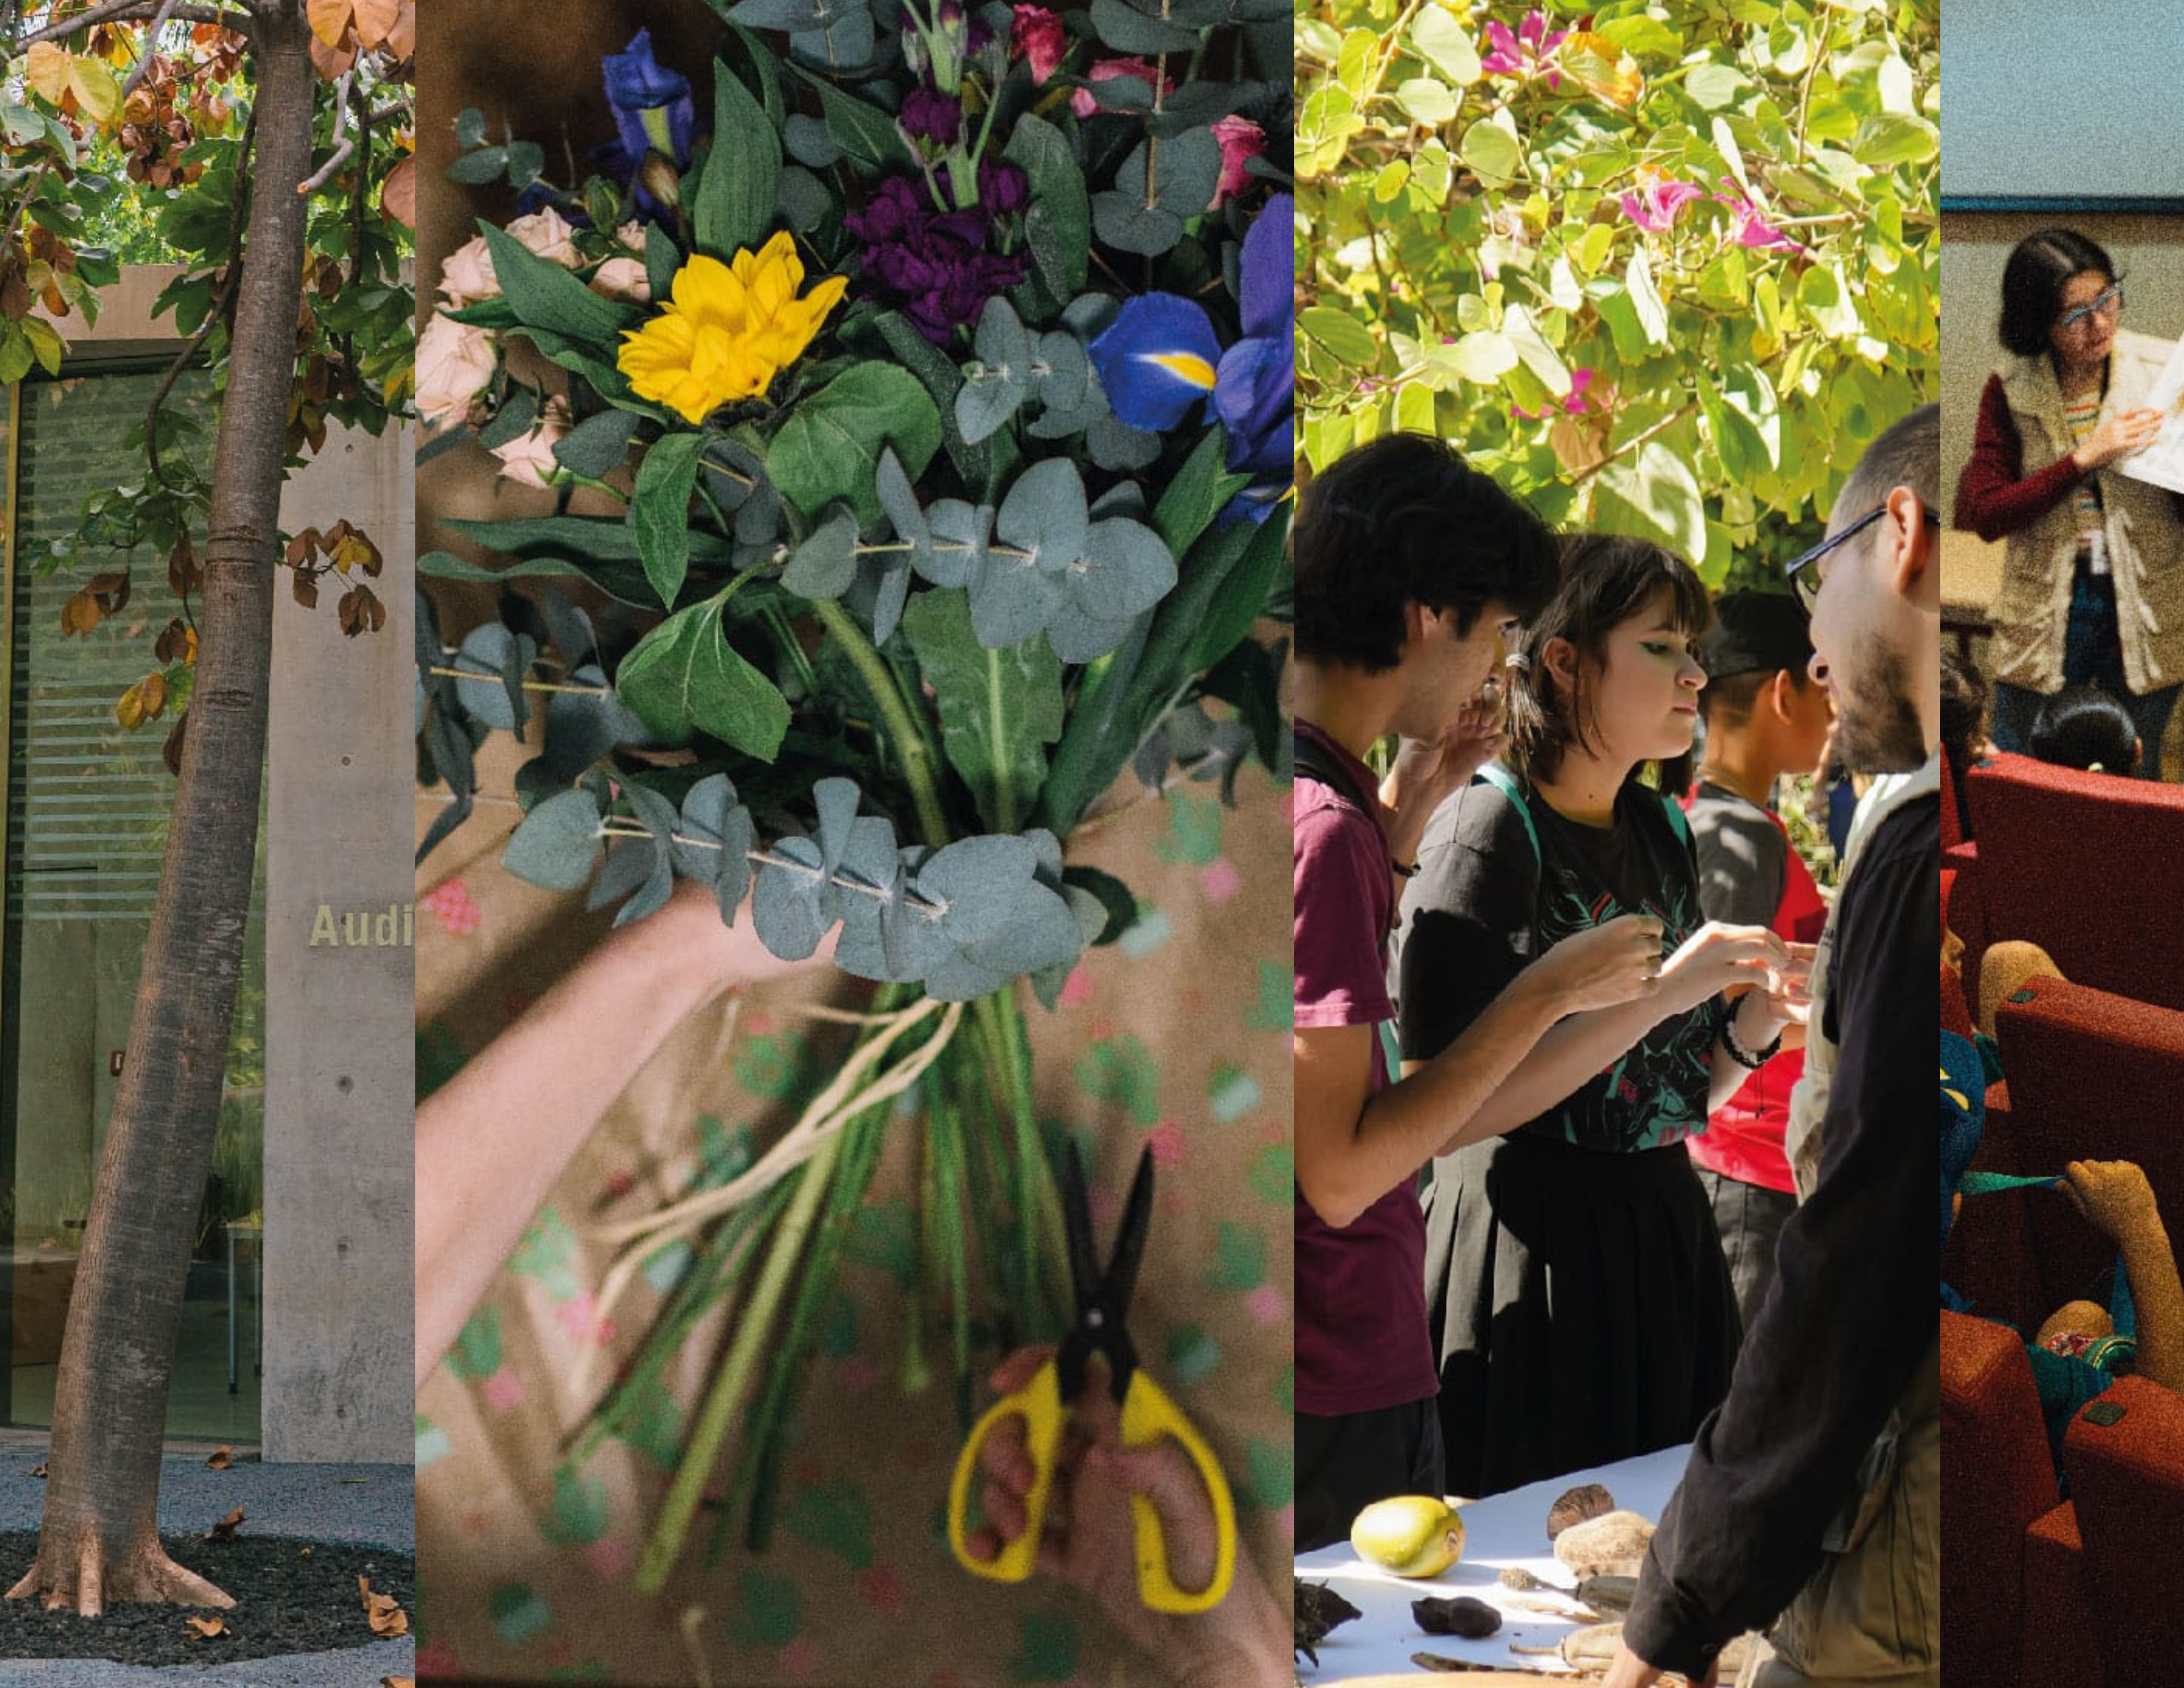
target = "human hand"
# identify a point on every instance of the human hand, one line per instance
(1789, 988)
(1089, 1539)
(723, 957)
(1426, 771)
(2114, 1195)
(2121, 434)
(1630, 1671)
(1603, 965)
(1717, 956)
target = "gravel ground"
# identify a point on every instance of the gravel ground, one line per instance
(340, 1510)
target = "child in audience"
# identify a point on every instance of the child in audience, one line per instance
(1965, 708)
(2083, 728)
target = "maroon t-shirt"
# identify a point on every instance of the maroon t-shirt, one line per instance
(1361, 1341)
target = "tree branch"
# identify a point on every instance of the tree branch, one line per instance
(134, 11)
(344, 144)
(151, 47)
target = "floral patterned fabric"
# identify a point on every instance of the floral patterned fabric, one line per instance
(1175, 1037)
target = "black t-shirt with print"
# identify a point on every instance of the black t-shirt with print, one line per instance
(1484, 903)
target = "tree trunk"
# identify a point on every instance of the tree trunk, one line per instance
(99, 1542)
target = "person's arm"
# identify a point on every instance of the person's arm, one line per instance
(1849, 1319)
(494, 1139)
(2116, 1196)
(1995, 497)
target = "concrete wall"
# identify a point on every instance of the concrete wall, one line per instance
(339, 1050)
(340, 1295)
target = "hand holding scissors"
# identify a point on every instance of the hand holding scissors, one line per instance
(1141, 1410)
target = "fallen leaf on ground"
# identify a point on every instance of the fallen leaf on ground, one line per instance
(38, 1471)
(226, 1528)
(397, 1682)
(383, 1611)
(221, 1459)
(303, 1552)
(208, 1627)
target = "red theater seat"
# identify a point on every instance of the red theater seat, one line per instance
(2092, 1076)
(2127, 1484)
(1998, 1481)
(2064, 862)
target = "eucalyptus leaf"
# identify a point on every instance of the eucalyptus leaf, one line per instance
(826, 563)
(556, 844)
(1126, 29)
(1057, 225)
(485, 652)
(960, 535)
(1125, 222)
(584, 726)
(980, 882)
(794, 906)
(810, 141)
(597, 446)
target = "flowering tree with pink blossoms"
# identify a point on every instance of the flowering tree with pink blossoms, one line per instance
(1666, 269)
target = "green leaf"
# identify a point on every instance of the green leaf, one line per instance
(1492, 152)
(998, 709)
(545, 295)
(1651, 494)
(1058, 223)
(1199, 492)
(1646, 299)
(1483, 357)
(1344, 338)
(732, 207)
(596, 446)
(1713, 87)
(867, 134)
(662, 511)
(557, 843)
(1442, 41)
(1888, 140)
(684, 675)
(830, 446)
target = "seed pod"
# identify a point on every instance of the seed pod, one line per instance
(1608, 1594)
(1613, 1545)
(1472, 1619)
(1575, 1505)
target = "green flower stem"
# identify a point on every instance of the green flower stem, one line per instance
(754, 1322)
(909, 742)
(777, 618)
(529, 685)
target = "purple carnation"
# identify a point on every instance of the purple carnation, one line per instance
(933, 264)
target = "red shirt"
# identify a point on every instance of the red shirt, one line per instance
(1362, 1338)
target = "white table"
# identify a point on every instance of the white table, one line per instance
(1499, 1532)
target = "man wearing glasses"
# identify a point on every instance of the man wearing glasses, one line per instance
(1813, 1494)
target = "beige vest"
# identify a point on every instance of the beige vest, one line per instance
(1871, 1613)
(2145, 539)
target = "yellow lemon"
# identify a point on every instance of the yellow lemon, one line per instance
(1413, 1536)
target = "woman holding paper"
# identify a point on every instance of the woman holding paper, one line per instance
(2092, 587)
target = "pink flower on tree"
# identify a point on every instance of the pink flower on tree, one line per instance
(1037, 34)
(1524, 54)
(1240, 140)
(1575, 403)
(1085, 103)
(1654, 206)
(1752, 229)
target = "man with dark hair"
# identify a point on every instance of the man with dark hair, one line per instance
(1813, 1494)
(1765, 716)
(1410, 567)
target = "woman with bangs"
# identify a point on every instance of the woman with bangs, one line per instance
(1574, 1274)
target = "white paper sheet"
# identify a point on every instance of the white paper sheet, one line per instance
(2161, 463)
(1499, 1532)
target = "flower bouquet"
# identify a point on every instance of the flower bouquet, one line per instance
(919, 427)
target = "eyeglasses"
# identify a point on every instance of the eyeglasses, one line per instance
(2109, 304)
(1806, 579)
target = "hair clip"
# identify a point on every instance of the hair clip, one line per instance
(1518, 661)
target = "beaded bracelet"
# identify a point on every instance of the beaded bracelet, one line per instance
(1753, 1060)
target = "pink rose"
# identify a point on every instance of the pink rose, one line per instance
(528, 460)
(455, 363)
(1037, 35)
(1084, 104)
(622, 278)
(544, 233)
(467, 276)
(1240, 139)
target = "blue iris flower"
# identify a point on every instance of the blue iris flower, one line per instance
(1161, 359)
(652, 110)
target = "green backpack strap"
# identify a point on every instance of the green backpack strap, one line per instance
(1506, 783)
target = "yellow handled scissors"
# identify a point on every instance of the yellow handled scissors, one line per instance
(1148, 1416)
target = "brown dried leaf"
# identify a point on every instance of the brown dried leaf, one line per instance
(330, 62)
(330, 19)
(305, 590)
(398, 197)
(402, 35)
(170, 753)
(184, 574)
(222, 1458)
(226, 1528)
(207, 1627)
(382, 1611)
(361, 612)
(80, 614)
(39, 1470)
(397, 1682)
(375, 20)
